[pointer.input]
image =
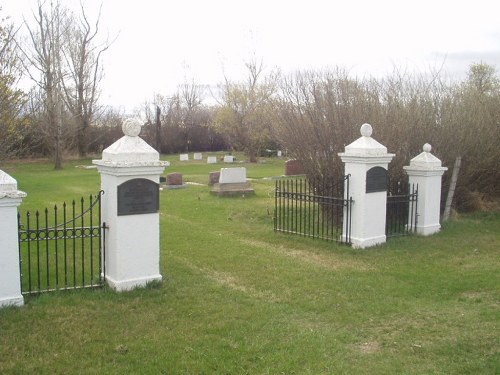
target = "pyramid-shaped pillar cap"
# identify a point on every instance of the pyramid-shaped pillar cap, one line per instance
(7, 182)
(365, 145)
(425, 159)
(130, 150)
(8, 187)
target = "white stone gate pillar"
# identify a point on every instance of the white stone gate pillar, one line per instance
(10, 273)
(130, 172)
(425, 170)
(366, 162)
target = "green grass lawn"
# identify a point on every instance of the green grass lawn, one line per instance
(238, 298)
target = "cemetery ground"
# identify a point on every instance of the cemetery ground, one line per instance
(237, 298)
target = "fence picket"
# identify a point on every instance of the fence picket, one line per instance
(309, 208)
(54, 254)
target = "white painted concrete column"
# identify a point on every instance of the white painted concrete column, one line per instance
(368, 212)
(130, 172)
(425, 170)
(10, 276)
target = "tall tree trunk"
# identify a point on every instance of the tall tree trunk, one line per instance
(58, 137)
(83, 126)
(158, 129)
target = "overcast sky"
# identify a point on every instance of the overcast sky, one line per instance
(161, 43)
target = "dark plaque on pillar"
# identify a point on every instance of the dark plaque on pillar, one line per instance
(138, 196)
(376, 180)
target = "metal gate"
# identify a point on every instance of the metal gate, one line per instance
(317, 209)
(401, 211)
(64, 250)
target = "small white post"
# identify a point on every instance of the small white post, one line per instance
(425, 170)
(130, 172)
(10, 274)
(366, 162)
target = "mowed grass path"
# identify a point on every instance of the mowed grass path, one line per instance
(239, 299)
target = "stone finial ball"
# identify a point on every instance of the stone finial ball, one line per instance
(132, 127)
(427, 147)
(366, 130)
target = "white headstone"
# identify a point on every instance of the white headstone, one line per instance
(197, 156)
(212, 160)
(228, 159)
(184, 157)
(232, 175)
(279, 153)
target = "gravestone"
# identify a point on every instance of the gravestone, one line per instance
(197, 156)
(232, 181)
(174, 181)
(213, 178)
(279, 153)
(228, 159)
(233, 175)
(184, 157)
(294, 167)
(212, 160)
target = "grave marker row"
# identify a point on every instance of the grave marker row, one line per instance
(210, 159)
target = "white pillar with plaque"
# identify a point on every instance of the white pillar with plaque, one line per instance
(130, 173)
(366, 161)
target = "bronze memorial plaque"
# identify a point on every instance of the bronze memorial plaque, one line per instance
(138, 196)
(376, 180)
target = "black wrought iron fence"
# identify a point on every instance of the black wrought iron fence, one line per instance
(62, 248)
(318, 209)
(401, 214)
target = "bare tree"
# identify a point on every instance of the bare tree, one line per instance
(191, 96)
(81, 72)
(11, 99)
(321, 112)
(245, 114)
(184, 122)
(318, 113)
(41, 59)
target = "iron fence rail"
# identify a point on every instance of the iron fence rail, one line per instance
(57, 255)
(313, 208)
(401, 209)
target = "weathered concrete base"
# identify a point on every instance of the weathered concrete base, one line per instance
(171, 187)
(428, 230)
(12, 301)
(125, 285)
(362, 243)
(231, 189)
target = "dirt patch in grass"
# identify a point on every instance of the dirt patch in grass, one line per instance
(176, 218)
(330, 261)
(369, 347)
(230, 281)
(487, 298)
